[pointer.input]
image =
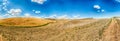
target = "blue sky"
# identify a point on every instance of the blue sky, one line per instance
(60, 8)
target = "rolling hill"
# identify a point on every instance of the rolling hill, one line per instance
(24, 21)
(62, 30)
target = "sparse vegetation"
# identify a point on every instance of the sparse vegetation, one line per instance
(61, 30)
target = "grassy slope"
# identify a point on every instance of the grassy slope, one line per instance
(23, 22)
(67, 30)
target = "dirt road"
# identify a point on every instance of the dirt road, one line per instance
(1, 38)
(112, 33)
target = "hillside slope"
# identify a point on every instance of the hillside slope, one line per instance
(23, 21)
(67, 30)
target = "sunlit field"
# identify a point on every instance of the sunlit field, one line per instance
(59, 29)
(59, 20)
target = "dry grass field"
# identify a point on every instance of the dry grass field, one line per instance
(32, 29)
(23, 21)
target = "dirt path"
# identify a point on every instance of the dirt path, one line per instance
(112, 33)
(1, 38)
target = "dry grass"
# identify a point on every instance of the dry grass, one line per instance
(23, 22)
(61, 30)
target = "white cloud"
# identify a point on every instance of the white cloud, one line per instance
(4, 16)
(27, 15)
(5, 0)
(97, 7)
(37, 12)
(63, 17)
(4, 8)
(98, 11)
(102, 10)
(33, 10)
(39, 1)
(53, 16)
(117, 0)
(3, 5)
(7, 15)
(76, 17)
(1, 17)
(14, 11)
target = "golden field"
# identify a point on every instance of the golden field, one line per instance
(34, 29)
(19, 21)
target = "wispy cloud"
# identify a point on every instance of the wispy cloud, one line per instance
(76, 16)
(98, 8)
(3, 5)
(36, 11)
(39, 1)
(63, 17)
(27, 15)
(14, 12)
(53, 16)
(117, 0)
(1, 17)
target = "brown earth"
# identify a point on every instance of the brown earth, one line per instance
(112, 33)
(1, 38)
(66, 30)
